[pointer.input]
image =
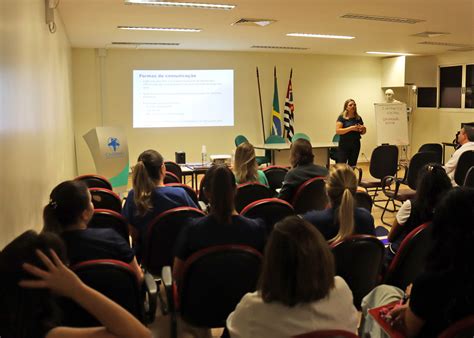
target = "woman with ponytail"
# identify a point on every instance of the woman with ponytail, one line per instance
(223, 225)
(342, 219)
(67, 214)
(149, 196)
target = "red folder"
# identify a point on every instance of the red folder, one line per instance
(376, 313)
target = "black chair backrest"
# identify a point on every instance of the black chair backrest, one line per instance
(271, 210)
(384, 161)
(114, 279)
(327, 334)
(463, 328)
(191, 192)
(105, 199)
(410, 258)
(363, 200)
(105, 218)
(174, 168)
(250, 192)
(466, 161)
(95, 181)
(214, 280)
(418, 161)
(162, 233)
(435, 147)
(469, 179)
(275, 176)
(171, 178)
(311, 195)
(359, 260)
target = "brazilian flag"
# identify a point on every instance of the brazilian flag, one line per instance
(276, 116)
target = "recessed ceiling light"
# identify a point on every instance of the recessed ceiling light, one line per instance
(390, 53)
(321, 36)
(179, 4)
(162, 29)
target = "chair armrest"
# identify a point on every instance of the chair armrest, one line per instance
(170, 286)
(360, 171)
(387, 181)
(151, 295)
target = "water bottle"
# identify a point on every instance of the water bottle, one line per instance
(203, 155)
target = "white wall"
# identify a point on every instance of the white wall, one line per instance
(321, 84)
(36, 130)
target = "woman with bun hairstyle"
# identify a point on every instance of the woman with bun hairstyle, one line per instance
(298, 291)
(67, 214)
(343, 218)
(246, 167)
(223, 225)
(149, 196)
(33, 276)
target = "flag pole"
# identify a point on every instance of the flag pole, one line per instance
(261, 107)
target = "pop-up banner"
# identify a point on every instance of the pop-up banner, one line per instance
(109, 149)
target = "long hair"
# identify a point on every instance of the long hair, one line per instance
(245, 164)
(298, 266)
(146, 174)
(341, 188)
(433, 183)
(67, 202)
(453, 235)
(301, 152)
(220, 189)
(344, 109)
(27, 312)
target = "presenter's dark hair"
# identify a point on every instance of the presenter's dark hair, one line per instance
(298, 266)
(67, 202)
(27, 312)
(301, 153)
(220, 189)
(146, 174)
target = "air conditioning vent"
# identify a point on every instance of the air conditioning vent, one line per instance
(279, 47)
(430, 34)
(145, 43)
(444, 44)
(253, 22)
(381, 18)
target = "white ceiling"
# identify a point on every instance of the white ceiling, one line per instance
(93, 24)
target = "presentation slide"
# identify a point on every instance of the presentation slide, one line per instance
(183, 98)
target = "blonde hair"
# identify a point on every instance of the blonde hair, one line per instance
(146, 174)
(344, 109)
(245, 164)
(341, 188)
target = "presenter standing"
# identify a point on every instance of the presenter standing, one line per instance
(350, 127)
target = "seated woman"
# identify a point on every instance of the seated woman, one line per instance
(245, 165)
(303, 168)
(444, 291)
(68, 212)
(223, 225)
(298, 291)
(149, 196)
(33, 275)
(433, 183)
(342, 219)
